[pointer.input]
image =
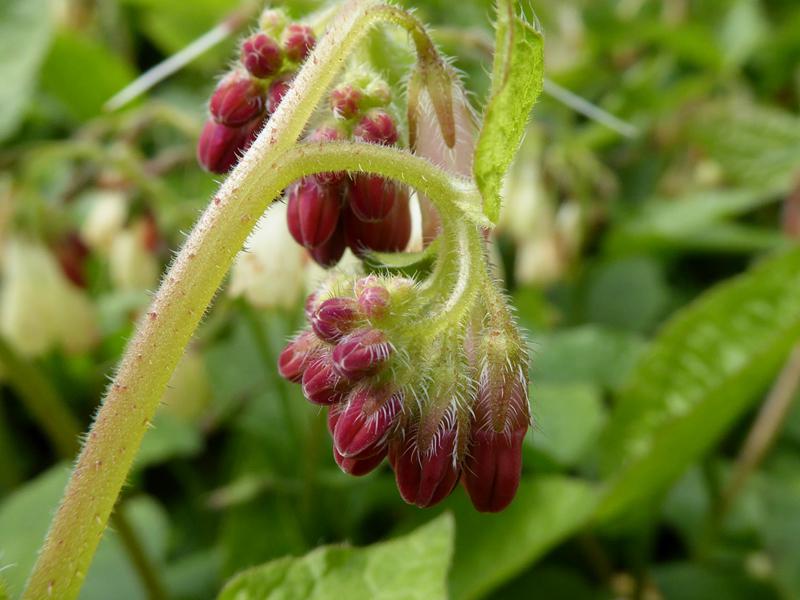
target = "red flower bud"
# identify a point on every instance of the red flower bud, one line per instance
(312, 211)
(298, 41)
(321, 383)
(359, 466)
(426, 476)
(373, 298)
(261, 55)
(296, 356)
(329, 133)
(334, 318)
(390, 235)
(328, 254)
(237, 100)
(363, 426)
(492, 469)
(493, 466)
(376, 127)
(345, 100)
(71, 254)
(220, 146)
(360, 353)
(277, 90)
(372, 198)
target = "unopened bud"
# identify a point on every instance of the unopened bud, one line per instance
(373, 298)
(360, 353)
(377, 127)
(346, 100)
(363, 426)
(322, 384)
(334, 318)
(327, 255)
(237, 100)
(312, 211)
(298, 41)
(372, 197)
(359, 466)
(220, 146)
(261, 55)
(276, 92)
(389, 235)
(297, 355)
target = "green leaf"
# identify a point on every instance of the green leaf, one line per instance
(101, 74)
(689, 581)
(756, 146)
(492, 548)
(26, 514)
(568, 419)
(170, 437)
(25, 27)
(517, 76)
(589, 354)
(698, 221)
(413, 566)
(704, 369)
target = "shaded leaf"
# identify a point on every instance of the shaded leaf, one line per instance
(517, 76)
(703, 370)
(413, 566)
(25, 27)
(492, 548)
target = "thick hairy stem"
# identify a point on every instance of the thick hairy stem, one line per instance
(165, 330)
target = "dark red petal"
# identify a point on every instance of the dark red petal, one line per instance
(372, 198)
(328, 254)
(261, 55)
(425, 477)
(359, 466)
(220, 146)
(334, 318)
(321, 383)
(313, 211)
(492, 469)
(276, 92)
(365, 421)
(361, 353)
(377, 127)
(390, 235)
(296, 356)
(237, 100)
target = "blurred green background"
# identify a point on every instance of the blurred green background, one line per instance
(651, 262)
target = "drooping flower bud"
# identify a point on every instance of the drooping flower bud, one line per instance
(312, 211)
(345, 100)
(426, 474)
(297, 355)
(334, 318)
(363, 425)
(220, 146)
(493, 465)
(261, 55)
(277, 90)
(389, 235)
(359, 466)
(237, 100)
(298, 41)
(328, 254)
(361, 352)
(377, 127)
(322, 384)
(372, 197)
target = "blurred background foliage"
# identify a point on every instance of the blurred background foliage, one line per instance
(652, 264)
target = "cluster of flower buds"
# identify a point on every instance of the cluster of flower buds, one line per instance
(331, 211)
(442, 411)
(247, 96)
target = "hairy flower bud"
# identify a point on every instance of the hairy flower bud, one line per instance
(359, 466)
(345, 100)
(360, 353)
(426, 475)
(237, 100)
(377, 127)
(297, 355)
(373, 298)
(272, 21)
(312, 211)
(322, 384)
(298, 41)
(334, 318)
(277, 90)
(372, 198)
(261, 55)
(493, 465)
(363, 425)
(220, 146)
